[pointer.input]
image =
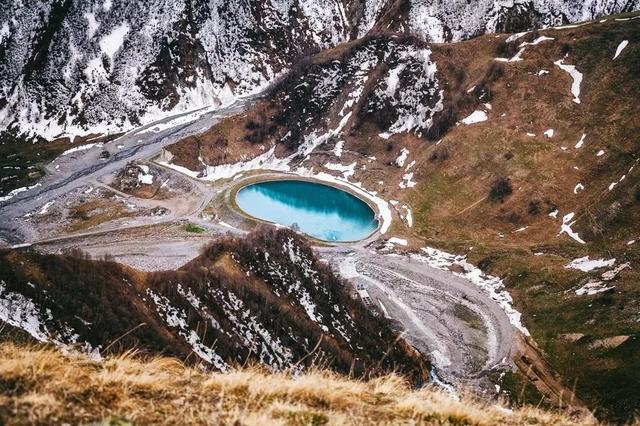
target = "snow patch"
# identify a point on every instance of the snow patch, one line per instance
(92, 24)
(404, 154)
(399, 241)
(111, 43)
(407, 181)
(4, 31)
(565, 228)
(80, 148)
(591, 288)
(620, 48)
(475, 117)
(347, 171)
(516, 58)
(536, 41)
(575, 75)
(145, 177)
(516, 36)
(584, 264)
(337, 150)
(45, 209)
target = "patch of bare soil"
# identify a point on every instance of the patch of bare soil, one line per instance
(148, 181)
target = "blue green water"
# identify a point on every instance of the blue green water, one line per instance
(321, 211)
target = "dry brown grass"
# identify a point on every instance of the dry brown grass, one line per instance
(42, 386)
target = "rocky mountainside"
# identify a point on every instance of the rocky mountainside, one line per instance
(263, 299)
(71, 68)
(520, 152)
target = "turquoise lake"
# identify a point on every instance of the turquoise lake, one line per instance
(321, 211)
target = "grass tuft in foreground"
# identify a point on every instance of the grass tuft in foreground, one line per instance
(195, 229)
(40, 385)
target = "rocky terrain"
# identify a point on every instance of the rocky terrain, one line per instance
(74, 68)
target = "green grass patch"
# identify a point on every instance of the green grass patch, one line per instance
(195, 229)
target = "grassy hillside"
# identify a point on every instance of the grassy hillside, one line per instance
(41, 386)
(459, 204)
(499, 191)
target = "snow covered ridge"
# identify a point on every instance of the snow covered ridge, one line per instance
(453, 21)
(490, 285)
(197, 46)
(107, 68)
(320, 100)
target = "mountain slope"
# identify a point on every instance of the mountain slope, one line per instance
(528, 164)
(264, 299)
(73, 68)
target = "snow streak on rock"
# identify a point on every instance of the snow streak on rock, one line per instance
(410, 89)
(22, 312)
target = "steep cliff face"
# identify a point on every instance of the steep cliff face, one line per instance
(105, 66)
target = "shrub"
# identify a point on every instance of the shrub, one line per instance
(500, 190)
(190, 227)
(442, 122)
(506, 50)
(258, 130)
(439, 154)
(534, 208)
(494, 72)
